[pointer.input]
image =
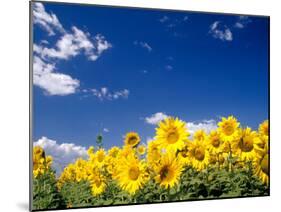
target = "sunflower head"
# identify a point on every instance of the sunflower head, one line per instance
(263, 128)
(99, 158)
(141, 150)
(38, 153)
(113, 152)
(90, 151)
(199, 155)
(153, 153)
(228, 128)
(171, 134)
(218, 158)
(98, 184)
(131, 174)
(215, 143)
(183, 155)
(132, 139)
(37, 150)
(261, 165)
(200, 135)
(169, 170)
(246, 145)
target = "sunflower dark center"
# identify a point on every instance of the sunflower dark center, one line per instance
(172, 137)
(134, 173)
(246, 144)
(98, 183)
(164, 172)
(132, 140)
(199, 153)
(228, 129)
(216, 142)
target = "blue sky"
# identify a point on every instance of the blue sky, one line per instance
(108, 70)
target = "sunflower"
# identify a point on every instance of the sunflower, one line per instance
(37, 150)
(153, 153)
(228, 128)
(113, 151)
(169, 170)
(247, 145)
(263, 128)
(131, 174)
(132, 139)
(125, 151)
(199, 155)
(100, 158)
(171, 134)
(263, 132)
(219, 158)
(183, 155)
(41, 162)
(261, 166)
(200, 135)
(141, 150)
(97, 183)
(214, 142)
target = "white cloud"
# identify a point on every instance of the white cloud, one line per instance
(192, 127)
(239, 25)
(164, 19)
(105, 94)
(106, 130)
(206, 125)
(144, 45)
(156, 118)
(52, 82)
(49, 22)
(242, 22)
(62, 154)
(220, 31)
(72, 44)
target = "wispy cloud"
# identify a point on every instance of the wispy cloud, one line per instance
(172, 24)
(47, 21)
(144, 45)
(170, 58)
(144, 71)
(62, 154)
(242, 22)
(164, 19)
(185, 18)
(105, 94)
(169, 67)
(106, 130)
(220, 31)
(155, 118)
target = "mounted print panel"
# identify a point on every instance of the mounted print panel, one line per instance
(137, 106)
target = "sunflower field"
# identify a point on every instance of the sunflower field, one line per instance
(230, 161)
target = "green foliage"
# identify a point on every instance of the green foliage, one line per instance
(45, 192)
(219, 183)
(77, 194)
(208, 184)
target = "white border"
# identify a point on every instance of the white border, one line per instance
(14, 115)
